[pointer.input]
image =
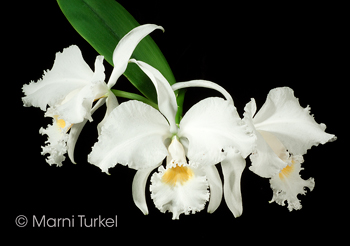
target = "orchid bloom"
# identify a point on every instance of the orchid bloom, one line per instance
(285, 131)
(70, 89)
(138, 135)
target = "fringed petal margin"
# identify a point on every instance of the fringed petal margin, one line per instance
(180, 197)
(56, 143)
(288, 184)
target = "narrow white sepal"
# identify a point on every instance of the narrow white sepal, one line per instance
(205, 84)
(232, 168)
(165, 95)
(138, 189)
(215, 186)
(126, 47)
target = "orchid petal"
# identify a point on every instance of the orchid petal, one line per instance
(265, 162)
(215, 185)
(165, 95)
(77, 106)
(138, 188)
(126, 47)
(132, 135)
(232, 168)
(68, 73)
(205, 84)
(99, 73)
(212, 125)
(250, 110)
(293, 125)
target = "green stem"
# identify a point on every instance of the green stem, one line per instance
(180, 96)
(134, 96)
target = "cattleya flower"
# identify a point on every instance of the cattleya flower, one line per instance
(138, 135)
(285, 131)
(70, 89)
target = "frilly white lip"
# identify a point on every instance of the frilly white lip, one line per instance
(56, 143)
(180, 187)
(288, 184)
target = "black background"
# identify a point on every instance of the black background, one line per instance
(248, 49)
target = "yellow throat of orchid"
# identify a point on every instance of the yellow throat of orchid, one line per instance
(177, 174)
(285, 172)
(61, 123)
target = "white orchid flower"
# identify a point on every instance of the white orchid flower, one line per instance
(137, 135)
(234, 162)
(285, 131)
(70, 89)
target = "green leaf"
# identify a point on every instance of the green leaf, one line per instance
(103, 23)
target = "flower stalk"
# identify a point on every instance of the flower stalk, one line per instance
(133, 96)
